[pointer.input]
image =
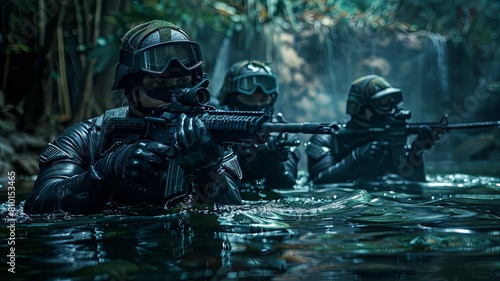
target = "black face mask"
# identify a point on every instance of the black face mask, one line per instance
(235, 104)
(397, 115)
(163, 93)
(196, 95)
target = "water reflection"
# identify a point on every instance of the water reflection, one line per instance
(363, 231)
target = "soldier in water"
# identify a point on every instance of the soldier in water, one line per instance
(371, 102)
(156, 59)
(251, 85)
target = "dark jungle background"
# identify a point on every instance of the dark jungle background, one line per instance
(57, 60)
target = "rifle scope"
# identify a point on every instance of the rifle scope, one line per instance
(197, 96)
(192, 96)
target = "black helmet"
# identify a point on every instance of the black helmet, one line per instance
(246, 77)
(372, 92)
(154, 46)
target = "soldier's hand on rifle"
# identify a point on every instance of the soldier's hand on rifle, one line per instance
(274, 147)
(196, 151)
(426, 138)
(374, 150)
(143, 162)
(247, 151)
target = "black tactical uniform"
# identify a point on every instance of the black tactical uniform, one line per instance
(272, 163)
(76, 177)
(371, 101)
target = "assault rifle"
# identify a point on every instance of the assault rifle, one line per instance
(233, 127)
(396, 128)
(227, 127)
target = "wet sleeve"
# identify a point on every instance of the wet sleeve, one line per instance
(282, 173)
(67, 181)
(412, 165)
(324, 166)
(278, 168)
(222, 186)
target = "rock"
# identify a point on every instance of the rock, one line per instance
(26, 142)
(25, 164)
(6, 149)
(19, 153)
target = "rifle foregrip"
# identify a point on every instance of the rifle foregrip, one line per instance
(234, 127)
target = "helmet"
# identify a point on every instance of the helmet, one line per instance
(372, 92)
(155, 46)
(247, 77)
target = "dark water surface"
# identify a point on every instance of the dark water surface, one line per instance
(446, 229)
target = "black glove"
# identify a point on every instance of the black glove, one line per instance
(247, 151)
(143, 162)
(196, 151)
(426, 138)
(272, 149)
(374, 150)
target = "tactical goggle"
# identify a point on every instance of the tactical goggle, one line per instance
(247, 84)
(156, 59)
(384, 101)
(387, 100)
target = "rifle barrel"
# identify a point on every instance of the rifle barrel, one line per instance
(301, 128)
(473, 125)
(335, 128)
(412, 125)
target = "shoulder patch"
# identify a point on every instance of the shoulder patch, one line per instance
(316, 151)
(232, 166)
(52, 153)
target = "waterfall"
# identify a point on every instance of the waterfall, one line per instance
(219, 70)
(439, 44)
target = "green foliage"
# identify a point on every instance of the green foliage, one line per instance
(478, 21)
(27, 6)
(472, 21)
